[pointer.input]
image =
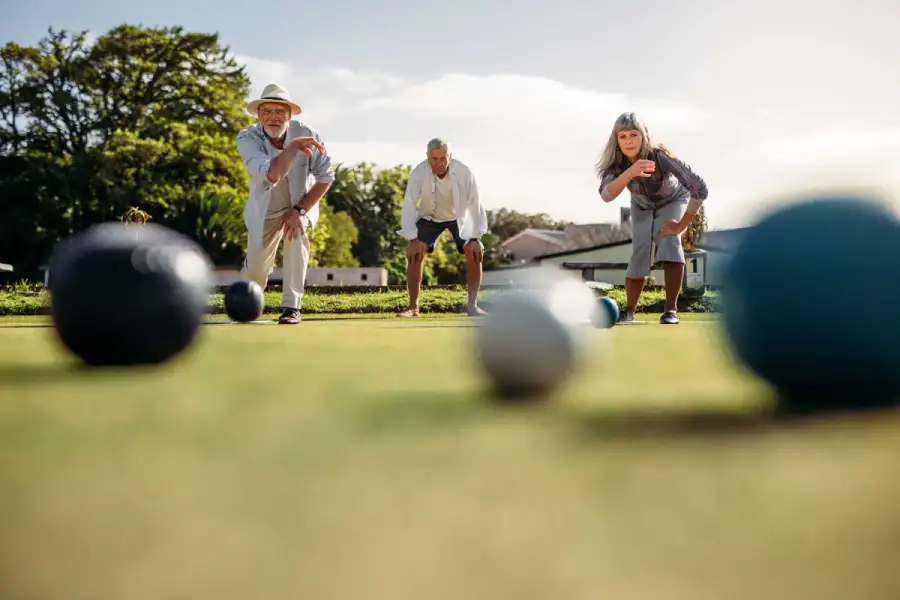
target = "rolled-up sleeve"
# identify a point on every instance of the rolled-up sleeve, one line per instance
(688, 178)
(605, 181)
(410, 200)
(321, 168)
(479, 218)
(254, 156)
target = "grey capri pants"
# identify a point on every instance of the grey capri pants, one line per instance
(645, 226)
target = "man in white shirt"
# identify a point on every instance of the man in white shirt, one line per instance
(441, 194)
(282, 157)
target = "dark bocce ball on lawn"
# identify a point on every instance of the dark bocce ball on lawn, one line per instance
(244, 301)
(801, 304)
(128, 294)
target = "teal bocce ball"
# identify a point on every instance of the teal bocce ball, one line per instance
(804, 303)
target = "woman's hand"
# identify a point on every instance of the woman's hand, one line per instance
(672, 227)
(641, 168)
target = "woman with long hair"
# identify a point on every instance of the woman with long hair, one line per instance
(666, 196)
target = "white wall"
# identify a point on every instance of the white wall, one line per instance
(620, 254)
(715, 265)
(360, 276)
(318, 276)
(510, 276)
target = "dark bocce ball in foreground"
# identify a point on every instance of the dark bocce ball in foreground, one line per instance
(802, 296)
(608, 312)
(128, 294)
(244, 301)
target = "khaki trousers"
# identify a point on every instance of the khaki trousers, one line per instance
(260, 261)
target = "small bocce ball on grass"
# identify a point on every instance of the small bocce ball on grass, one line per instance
(800, 304)
(607, 313)
(128, 294)
(244, 301)
(533, 338)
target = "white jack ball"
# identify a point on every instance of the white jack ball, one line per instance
(533, 338)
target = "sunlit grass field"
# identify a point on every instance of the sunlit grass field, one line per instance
(360, 456)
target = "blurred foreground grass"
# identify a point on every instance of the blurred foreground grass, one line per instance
(360, 458)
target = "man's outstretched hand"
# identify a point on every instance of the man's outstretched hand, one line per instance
(306, 144)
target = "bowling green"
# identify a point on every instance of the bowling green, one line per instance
(359, 457)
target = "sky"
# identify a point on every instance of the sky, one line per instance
(770, 101)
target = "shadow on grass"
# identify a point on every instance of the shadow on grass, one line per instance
(35, 375)
(39, 374)
(649, 424)
(25, 325)
(770, 414)
(430, 411)
(427, 411)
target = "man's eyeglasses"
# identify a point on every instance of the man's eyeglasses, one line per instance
(278, 112)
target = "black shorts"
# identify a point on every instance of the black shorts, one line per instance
(430, 231)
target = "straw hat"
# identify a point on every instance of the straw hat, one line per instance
(276, 94)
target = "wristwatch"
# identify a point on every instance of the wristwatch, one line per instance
(300, 210)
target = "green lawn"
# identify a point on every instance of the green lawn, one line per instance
(27, 299)
(358, 457)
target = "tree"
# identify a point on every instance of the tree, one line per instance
(374, 201)
(214, 219)
(505, 223)
(142, 118)
(694, 231)
(319, 238)
(338, 251)
(16, 64)
(78, 95)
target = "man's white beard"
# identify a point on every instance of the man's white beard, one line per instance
(275, 133)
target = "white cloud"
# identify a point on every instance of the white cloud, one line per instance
(772, 169)
(531, 141)
(833, 147)
(383, 154)
(521, 101)
(838, 158)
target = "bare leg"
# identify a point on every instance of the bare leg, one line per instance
(633, 289)
(674, 275)
(414, 280)
(415, 263)
(473, 253)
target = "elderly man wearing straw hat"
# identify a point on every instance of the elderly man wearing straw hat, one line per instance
(282, 156)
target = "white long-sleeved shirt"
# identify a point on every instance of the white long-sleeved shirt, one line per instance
(470, 215)
(257, 153)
